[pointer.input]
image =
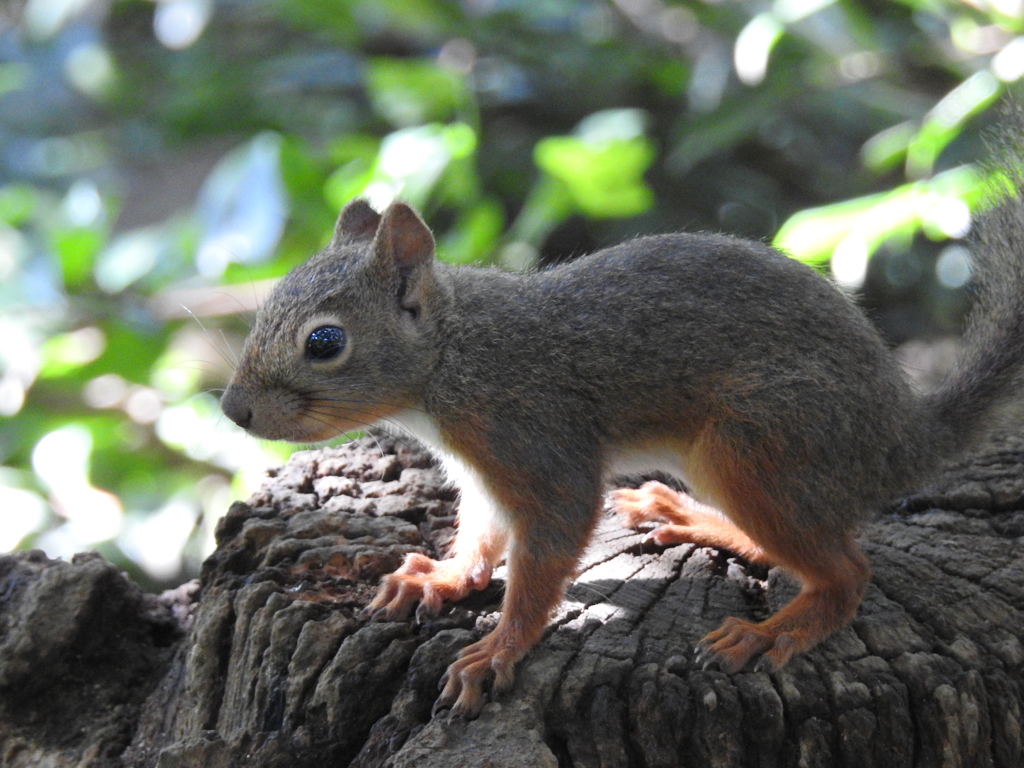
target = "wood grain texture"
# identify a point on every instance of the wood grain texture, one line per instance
(265, 664)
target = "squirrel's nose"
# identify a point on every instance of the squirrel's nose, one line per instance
(234, 407)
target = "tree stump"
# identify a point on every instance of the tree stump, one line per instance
(264, 663)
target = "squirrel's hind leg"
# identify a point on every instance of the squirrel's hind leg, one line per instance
(832, 571)
(830, 567)
(831, 590)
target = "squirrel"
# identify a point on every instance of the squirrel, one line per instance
(741, 371)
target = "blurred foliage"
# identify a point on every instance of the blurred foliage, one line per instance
(161, 162)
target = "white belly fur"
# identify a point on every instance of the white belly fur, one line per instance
(620, 460)
(638, 460)
(478, 509)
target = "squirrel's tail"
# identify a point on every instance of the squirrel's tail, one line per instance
(993, 358)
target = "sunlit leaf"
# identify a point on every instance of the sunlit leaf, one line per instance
(77, 249)
(814, 234)
(243, 206)
(409, 165)
(24, 513)
(68, 351)
(603, 163)
(356, 155)
(605, 180)
(887, 149)
(946, 119)
(17, 203)
(129, 257)
(353, 146)
(754, 45)
(348, 182)
(409, 92)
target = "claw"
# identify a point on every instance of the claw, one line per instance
(374, 615)
(707, 659)
(426, 612)
(440, 705)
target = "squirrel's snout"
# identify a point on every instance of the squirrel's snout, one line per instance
(235, 408)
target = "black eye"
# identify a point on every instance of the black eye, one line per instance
(325, 343)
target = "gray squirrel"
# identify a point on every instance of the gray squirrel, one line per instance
(731, 366)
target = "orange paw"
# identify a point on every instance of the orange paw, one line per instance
(684, 520)
(431, 583)
(736, 642)
(489, 660)
(652, 502)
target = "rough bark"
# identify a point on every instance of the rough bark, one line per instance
(264, 664)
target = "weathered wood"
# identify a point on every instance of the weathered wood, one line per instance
(265, 665)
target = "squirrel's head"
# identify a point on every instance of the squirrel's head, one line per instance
(346, 339)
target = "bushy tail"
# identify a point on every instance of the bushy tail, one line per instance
(989, 370)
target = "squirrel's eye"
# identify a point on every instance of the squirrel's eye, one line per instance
(325, 343)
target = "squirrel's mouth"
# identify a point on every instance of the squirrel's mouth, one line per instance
(302, 427)
(280, 414)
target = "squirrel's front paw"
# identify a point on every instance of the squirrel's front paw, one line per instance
(487, 660)
(429, 582)
(654, 502)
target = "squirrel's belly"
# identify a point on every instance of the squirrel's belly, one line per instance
(416, 423)
(644, 458)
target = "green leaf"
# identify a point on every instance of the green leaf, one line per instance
(17, 203)
(410, 163)
(887, 149)
(69, 351)
(131, 351)
(353, 146)
(77, 248)
(409, 92)
(813, 235)
(347, 183)
(947, 118)
(604, 180)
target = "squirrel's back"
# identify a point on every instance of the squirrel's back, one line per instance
(666, 336)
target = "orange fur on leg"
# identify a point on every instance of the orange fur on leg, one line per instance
(535, 585)
(832, 571)
(832, 590)
(762, 525)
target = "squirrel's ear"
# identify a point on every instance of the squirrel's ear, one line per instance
(356, 222)
(403, 239)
